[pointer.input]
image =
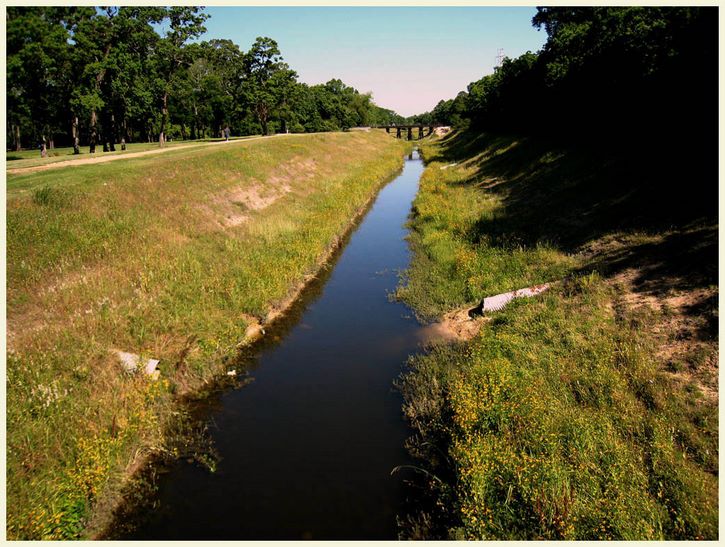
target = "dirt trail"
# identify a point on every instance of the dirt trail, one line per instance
(103, 159)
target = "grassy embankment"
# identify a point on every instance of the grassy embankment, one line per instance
(31, 158)
(172, 257)
(590, 411)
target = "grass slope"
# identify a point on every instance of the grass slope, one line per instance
(32, 158)
(589, 412)
(172, 257)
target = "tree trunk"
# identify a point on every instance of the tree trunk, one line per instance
(183, 131)
(17, 138)
(94, 134)
(123, 134)
(262, 113)
(195, 125)
(74, 134)
(112, 140)
(164, 115)
(99, 79)
(43, 149)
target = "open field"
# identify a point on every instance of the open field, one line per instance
(589, 412)
(171, 256)
(26, 159)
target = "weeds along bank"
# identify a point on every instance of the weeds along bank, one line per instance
(590, 411)
(170, 257)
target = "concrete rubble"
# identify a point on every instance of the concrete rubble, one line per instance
(132, 362)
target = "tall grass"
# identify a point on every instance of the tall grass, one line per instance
(151, 256)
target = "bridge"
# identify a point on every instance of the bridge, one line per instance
(399, 129)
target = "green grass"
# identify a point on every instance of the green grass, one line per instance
(151, 255)
(32, 158)
(452, 265)
(560, 427)
(560, 420)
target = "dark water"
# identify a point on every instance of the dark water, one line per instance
(307, 449)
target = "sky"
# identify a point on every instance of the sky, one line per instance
(409, 58)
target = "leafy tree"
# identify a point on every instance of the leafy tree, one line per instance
(185, 23)
(631, 65)
(107, 74)
(128, 86)
(506, 99)
(38, 56)
(268, 80)
(338, 106)
(383, 116)
(94, 39)
(227, 63)
(620, 73)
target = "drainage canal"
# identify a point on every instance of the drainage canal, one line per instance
(307, 449)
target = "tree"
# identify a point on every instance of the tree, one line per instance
(38, 54)
(384, 116)
(128, 90)
(268, 80)
(107, 73)
(94, 40)
(628, 67)
(507, 99)
(185, 23)
(226, 63)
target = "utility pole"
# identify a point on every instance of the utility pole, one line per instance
(499, 56)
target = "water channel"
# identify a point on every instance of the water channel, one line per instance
(308, 447)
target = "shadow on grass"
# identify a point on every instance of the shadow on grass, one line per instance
(570, 196)
(677, 261)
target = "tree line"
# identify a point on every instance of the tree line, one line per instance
(85, 75)
(629, 73)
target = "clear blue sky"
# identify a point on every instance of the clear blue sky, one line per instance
(409, 58)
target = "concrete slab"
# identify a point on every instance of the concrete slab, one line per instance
(495, 303)
(132, 362)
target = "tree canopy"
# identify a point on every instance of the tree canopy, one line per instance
(605, 71)
(107, 76)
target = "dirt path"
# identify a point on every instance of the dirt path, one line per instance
(103, 159)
